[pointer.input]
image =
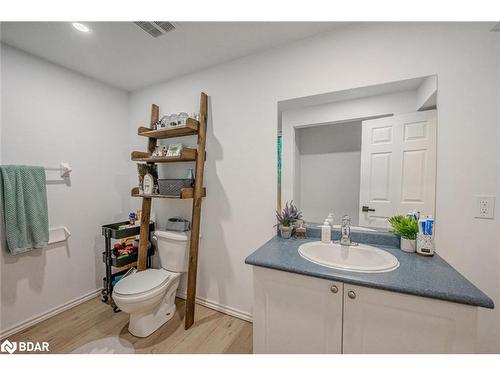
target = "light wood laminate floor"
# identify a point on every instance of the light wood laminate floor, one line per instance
(212, 332)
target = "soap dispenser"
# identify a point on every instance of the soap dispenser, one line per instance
(329, 219)
(326, 232)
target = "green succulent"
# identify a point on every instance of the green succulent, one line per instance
(404, 226)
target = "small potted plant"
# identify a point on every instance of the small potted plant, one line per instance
(407, 228)
(286, 218)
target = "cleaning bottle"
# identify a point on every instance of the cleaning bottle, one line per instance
(190, 176)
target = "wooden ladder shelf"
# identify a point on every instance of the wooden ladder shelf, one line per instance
(192, 127)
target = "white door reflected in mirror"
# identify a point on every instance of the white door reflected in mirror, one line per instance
(398, 167)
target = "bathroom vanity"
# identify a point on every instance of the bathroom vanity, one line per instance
(360, 157)
(423, 306)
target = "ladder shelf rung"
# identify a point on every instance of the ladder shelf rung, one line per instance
(191, 128)
(186, 193)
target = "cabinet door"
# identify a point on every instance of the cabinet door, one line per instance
(378, 321)
(295, 313)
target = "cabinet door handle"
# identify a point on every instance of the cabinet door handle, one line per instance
(334, 289)
(351, 294)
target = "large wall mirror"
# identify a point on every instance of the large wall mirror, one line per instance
(367, 152)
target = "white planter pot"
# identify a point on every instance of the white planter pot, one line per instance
(286, 232)
(409, 246)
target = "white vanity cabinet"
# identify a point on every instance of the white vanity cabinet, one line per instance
(295, 313)
(379, 321)
(302, 314)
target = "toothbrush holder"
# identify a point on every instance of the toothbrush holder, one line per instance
(425, 244)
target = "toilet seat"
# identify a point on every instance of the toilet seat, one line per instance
(143, 285)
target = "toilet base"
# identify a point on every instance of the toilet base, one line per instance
(144, 323)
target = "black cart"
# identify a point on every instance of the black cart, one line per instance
(111, 231)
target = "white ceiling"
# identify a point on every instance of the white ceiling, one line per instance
(125, 56)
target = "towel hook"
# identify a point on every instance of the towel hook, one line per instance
(66, 169)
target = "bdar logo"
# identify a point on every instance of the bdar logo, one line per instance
(24, 346)
(9, 347)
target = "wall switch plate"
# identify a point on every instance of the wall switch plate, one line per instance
(485, 207)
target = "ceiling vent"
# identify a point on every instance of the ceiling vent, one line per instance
(156, 28)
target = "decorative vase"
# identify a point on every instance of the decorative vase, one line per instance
(286, 232)
(407, 245)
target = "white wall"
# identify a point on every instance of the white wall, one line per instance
(330, 161)
(334, 112)
(427, 93)
(238, 213)
(50, 115)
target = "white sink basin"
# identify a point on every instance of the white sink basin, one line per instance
(360, 258)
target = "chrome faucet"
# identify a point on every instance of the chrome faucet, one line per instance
(345, 231)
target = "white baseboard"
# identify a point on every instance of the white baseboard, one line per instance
(48, 314)
(218, 307)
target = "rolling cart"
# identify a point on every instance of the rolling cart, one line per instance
(115, 268)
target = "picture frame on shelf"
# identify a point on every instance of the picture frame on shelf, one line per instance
(174, 149)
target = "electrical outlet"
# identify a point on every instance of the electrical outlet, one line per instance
(485, 207)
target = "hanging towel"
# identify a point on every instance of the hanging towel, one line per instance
(23, 197)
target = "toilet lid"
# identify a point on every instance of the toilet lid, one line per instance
(170, 235)
(141, 282)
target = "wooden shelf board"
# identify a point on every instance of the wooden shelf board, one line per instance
(187, 154)
(191, 128)
(186, 193)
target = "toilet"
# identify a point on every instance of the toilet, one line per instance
(149, 296)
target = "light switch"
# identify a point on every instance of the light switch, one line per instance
(485, 207)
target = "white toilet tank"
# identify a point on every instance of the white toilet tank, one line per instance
(173, 248)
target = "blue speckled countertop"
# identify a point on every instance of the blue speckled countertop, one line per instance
(422, 276)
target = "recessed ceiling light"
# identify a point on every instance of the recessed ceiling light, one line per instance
(80, 27)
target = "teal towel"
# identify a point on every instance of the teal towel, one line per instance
(23, 197)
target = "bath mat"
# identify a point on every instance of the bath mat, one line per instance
(106, 345)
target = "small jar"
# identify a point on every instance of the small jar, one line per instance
(173, 120)
(162, 123)
(300, 230)
(182, 119)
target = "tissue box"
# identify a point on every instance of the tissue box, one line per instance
(178, 224)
